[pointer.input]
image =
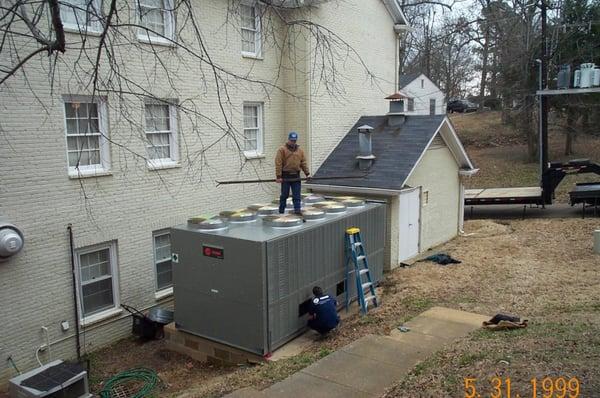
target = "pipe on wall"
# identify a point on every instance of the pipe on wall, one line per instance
(74, 279)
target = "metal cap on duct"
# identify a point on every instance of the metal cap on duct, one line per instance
(365, 148)
(11, 240)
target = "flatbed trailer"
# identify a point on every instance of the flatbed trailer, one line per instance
(543, 195)
(588, 194)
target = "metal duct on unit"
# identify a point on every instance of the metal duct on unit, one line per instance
(11, 240)
(365, 148)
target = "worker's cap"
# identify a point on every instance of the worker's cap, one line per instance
(293, 136)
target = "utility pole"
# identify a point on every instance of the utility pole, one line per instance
(543, 98)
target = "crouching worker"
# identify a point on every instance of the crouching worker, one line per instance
(323, 316)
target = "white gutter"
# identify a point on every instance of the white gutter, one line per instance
(341, 188)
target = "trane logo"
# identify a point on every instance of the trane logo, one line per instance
(214, 252)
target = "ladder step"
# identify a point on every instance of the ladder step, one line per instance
(369, 298)
(363, 271)
(366, 285)
(361, 258)
(357, 244)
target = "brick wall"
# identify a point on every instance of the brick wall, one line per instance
(127, 206)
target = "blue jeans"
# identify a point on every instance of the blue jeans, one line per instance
(285, 193)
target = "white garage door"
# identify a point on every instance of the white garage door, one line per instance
(410, 211)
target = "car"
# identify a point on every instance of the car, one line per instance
(461, 106)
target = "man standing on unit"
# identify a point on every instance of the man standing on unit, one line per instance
(289, 161)
(323, 316)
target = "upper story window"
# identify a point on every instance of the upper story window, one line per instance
(87, 144)
(411, 104)
(97, 279)
(251, 30)
(81, 15)
(161, 134)
(253, 129)
(157, 20)
(422, 83)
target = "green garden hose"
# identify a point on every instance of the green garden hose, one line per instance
(148, 377)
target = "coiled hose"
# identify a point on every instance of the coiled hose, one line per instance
(148, 377)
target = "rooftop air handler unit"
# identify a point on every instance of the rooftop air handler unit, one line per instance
(247, 281)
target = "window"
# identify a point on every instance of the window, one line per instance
(422, 83)
(251, 30)
(425, 199)
(87, 146)
(98, 288)
(81, 15)
(161, 134)
(162, 260)
(253, 129)
(157, 19)
(411, 104)
(432, 106)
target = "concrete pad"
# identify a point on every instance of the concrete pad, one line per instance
(357, 372)
(439, 328)
(305, 385)
(294, 347)
(453, 315)
(388, 350)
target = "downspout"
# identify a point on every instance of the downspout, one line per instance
(307, 49)
(75, 304)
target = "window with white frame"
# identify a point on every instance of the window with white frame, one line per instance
(162, 260)
(161, 134)
(81, 15)
(98, 286)
(85, 125)
(251, 30)
(156, 19)
(411, 104)
(253, 129)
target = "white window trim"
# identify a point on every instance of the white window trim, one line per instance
(260, 136)
(173, 161)
(94, 29)
(109, 312)
(145, 36)
(257, 54)
(159, 293)
(90, 170)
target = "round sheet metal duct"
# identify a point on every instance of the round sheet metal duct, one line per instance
(256, 206)
(243, 216)
(267, 210)
(313, 213)
(282, 221)
(324, 203)
(334, 208)
(355, 202)
(311, 198)
(208, 223)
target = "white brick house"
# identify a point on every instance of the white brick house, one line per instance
(55, 179)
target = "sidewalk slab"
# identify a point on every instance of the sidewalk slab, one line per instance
(306, 385)
(387, 350)
(247, 392)
(357, 372)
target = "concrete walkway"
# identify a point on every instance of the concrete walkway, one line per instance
(371, 364)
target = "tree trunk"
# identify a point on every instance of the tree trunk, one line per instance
(484, 62)
(570, 131)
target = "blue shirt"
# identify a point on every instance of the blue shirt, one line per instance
(325, 313)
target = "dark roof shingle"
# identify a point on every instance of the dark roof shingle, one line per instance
(405, 80)
(397, 150)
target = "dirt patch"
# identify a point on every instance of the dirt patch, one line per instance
(487, 228)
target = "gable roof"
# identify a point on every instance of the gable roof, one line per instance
(408, 78)
(397, 150)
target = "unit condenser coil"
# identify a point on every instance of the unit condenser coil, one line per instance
(56, 379)
(246, 285)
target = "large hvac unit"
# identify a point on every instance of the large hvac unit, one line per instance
(586, 75)
(56, 379)
(248, 283)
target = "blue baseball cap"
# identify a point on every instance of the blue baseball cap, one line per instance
(292, 136)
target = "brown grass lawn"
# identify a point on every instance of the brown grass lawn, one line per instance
(543, 270)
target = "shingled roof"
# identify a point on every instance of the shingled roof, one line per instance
(397, 150)
(405, 80)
